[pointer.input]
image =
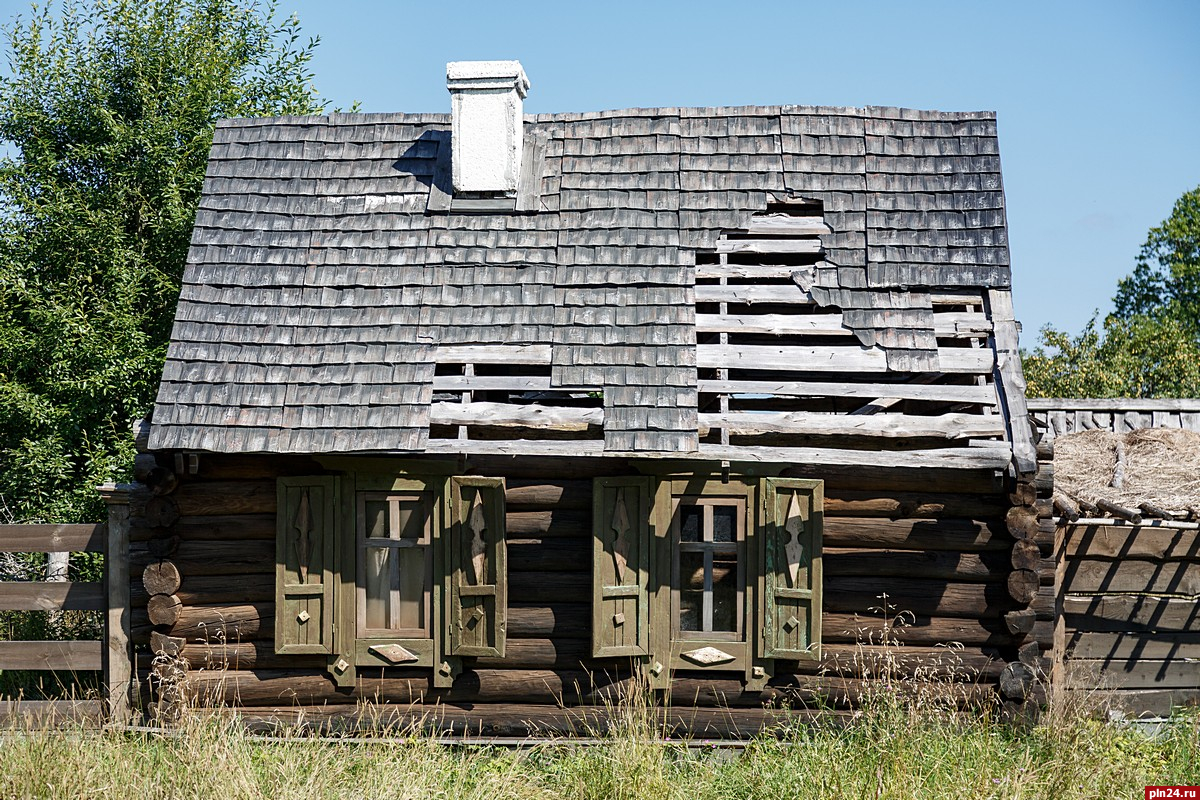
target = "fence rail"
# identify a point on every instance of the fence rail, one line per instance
(110, 654)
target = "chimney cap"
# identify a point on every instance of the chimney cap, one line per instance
(466, 75)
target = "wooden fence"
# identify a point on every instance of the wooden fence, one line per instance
(1056, 416)
(1129, 612)
(109, 655)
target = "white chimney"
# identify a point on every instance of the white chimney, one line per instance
(486, 137)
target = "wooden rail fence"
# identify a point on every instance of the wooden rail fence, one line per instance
(1129, 612)
(109, 655)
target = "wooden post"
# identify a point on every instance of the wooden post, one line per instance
(116, 661)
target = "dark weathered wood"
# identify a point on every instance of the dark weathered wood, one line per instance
(916, 534)
(51, 538)
(567, 495)
(1128, 613)
(1026, 555)
(911, 505)
(56, 655)
(51, 596)
(1141, 673)
(211, 558)
(160, 512)
(1121, 647)
(556, 522)
(1024, 493)
(920, 597)
(1129, 575)
(161, 578)
(168, 646)
(229, 623)
(163, 546)
(1022, 522)
(1043, 481)
(1030, 654)
(1119, 511)
(164, 610)
(215, 589)
(871, 478)
(1023, 585)
(243, 655)
(976, 395)
(1016, 681)
(1021, 621)
(1151, 510)
(1111, 541)
(943, 565)
(555, 619)
(1066, 506)
(552, 555)
(221, 498)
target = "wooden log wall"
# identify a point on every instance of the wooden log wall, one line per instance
(202, 569)
(1057, 417)
(1130, 597)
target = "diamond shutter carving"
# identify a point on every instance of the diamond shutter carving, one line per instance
(478, 598)
(621, 566)
(305, 530)
(791, 553)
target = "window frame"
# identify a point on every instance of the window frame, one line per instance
(709, 548)
(427, 541)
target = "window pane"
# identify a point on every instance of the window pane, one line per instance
(410, 602)
(381, 576)
(412, 519)
(691, 520)
(724, 592)
(377, 519)
(691, 591)
(724, 524)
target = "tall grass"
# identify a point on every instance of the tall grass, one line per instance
(894, 749)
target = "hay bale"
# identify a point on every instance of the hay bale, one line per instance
(1162, 467)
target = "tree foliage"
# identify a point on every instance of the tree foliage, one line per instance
(1150, 345)
(108, 115)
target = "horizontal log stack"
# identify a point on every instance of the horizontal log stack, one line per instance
(942, 564)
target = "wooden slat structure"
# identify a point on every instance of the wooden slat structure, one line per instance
(1056, 417)
(1130, 612)
(110, 655)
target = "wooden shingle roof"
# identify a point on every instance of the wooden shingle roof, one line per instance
(330, 272)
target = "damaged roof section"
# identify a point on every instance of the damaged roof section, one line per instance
(336, 290)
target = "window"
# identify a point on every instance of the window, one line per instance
(378, 570)
(700, 573)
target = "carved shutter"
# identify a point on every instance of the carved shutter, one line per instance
(305, 529)
(478, 613)
(621, 566)
(791, 558)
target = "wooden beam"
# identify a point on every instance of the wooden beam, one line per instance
(51, 596)
(788, 224)
(892, 426)
(559, 418)
(55, 655)
(1011, 380)
(51, 538)
(784, 293)
(981, 395)
(830, 358)
(1113, 404)
(771, 246)
(528, 354)
(956, 325)
(500, 383)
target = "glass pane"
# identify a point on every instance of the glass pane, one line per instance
(377, 519)
(410, 601)
(380, 578)
(691, 521)
(412, 519)
(724, 592)
(724, 524)
(691, 591)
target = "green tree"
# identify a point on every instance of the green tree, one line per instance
(1150, 345)
(108, 115)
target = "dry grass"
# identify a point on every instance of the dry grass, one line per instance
(1162, 467)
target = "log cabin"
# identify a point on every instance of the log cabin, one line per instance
(489, 417)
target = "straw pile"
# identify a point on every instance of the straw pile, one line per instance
(1157, 465)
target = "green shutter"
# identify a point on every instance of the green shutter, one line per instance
(791, 559)
(621, 566)
(305, 530)
(478, 610)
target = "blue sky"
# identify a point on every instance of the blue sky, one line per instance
(1098, 102)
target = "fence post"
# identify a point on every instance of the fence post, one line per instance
(117, 659)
